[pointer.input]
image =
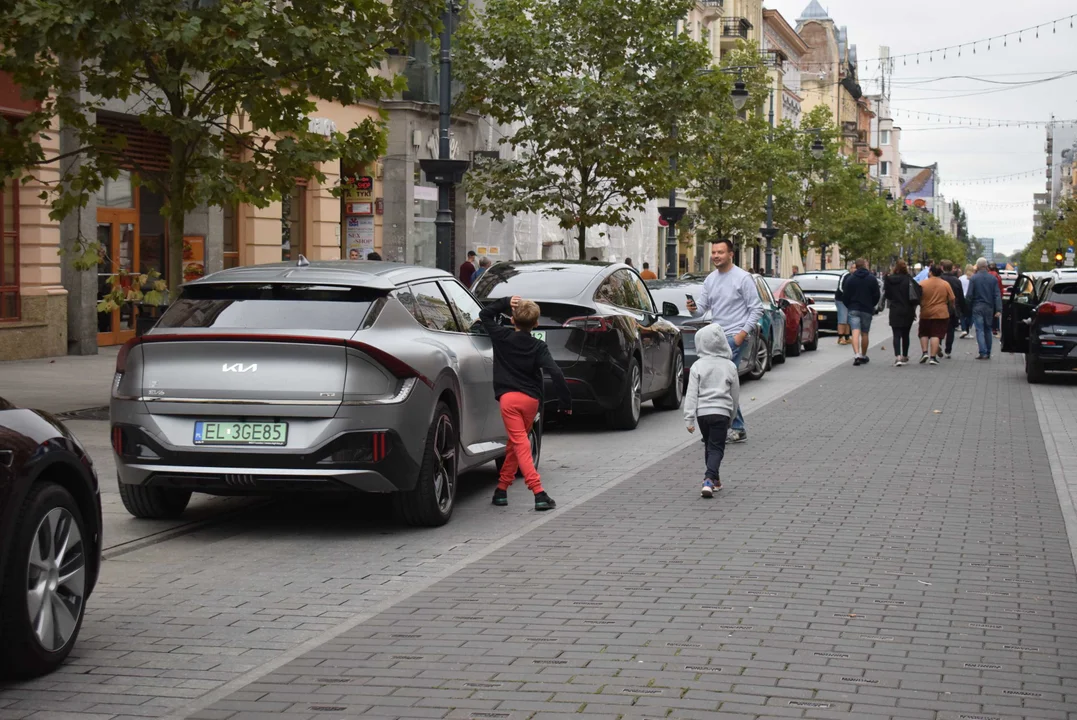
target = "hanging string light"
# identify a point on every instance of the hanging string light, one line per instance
(992, 180)
(991, 122)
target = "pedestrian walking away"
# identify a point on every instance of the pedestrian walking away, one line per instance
(484, 265)
(647, 273)
(985, 301)
(992, 268)
(966, 320)
(958, 310)
(844, 331)
(712, 400)
(467, 268)
(935, 301)
(861, 293)
(732, 299)
(903, 295)
(519, 360)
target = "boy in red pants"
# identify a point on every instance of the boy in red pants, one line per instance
(519, 359)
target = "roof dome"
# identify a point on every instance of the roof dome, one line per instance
(814, 11)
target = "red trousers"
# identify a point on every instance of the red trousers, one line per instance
(518, 413)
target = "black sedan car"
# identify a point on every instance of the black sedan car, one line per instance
(674, 293)
(50, 540)
(1039, 319)
(615, 346)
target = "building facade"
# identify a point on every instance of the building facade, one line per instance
(783, 49)
(1041, 202)
(886, 136)
(1060, 146)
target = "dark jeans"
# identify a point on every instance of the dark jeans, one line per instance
(712, 431)
(950, 334)
(982, 316)
(901, 341)
(966, 322)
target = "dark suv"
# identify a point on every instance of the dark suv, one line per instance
(1039, 319)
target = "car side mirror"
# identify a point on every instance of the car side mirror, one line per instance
(784, 303)
(670, 309)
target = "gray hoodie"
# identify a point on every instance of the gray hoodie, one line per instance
(713, 382)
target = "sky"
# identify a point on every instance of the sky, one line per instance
(969, 152)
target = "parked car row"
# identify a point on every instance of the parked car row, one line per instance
(1039, 319)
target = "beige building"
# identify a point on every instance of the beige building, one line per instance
(783, 50)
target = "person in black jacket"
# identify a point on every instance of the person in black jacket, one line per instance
(958, 311)
(860, 293)
(900, 293)
(519, 359)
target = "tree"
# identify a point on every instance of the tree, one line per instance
(231, 83)
(730, 157)
(587, 89)
(1053, 233)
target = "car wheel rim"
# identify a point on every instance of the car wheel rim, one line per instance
(445, 470)
(677, 384)
(533, 438)
(762, 356)
(56, 579)
(637, 391)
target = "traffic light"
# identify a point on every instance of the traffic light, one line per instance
(1059, 257)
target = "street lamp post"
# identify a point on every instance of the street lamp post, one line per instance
(770, 232)
(444, 171)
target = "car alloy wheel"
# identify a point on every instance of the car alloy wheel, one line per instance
(637, 391)
(56, 579)
(445, 458)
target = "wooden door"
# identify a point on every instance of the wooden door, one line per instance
(117, 233)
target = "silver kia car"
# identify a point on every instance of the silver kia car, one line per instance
(325, 376)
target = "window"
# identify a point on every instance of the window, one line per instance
(433, 309)
(293, 225)
(611, 292)
(231, 237)
(116, 193)
(9, 250)
(884, 137)
(270, 307)
(647, 303)
(463, 305)
(884, 168)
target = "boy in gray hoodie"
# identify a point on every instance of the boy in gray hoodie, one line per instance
(712, 399)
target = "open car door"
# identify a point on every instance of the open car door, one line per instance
(1018, 309)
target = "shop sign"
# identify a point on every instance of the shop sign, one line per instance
(359, 237)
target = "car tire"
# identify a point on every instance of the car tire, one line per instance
(626, 415)
(794, 349)
(1034, 369)
(154, 503)
(814, 344)
(762, 362)
(431, 502)
(535, 436)
(48, 514)
(671, 399)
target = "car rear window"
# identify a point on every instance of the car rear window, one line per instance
(1066, 291)
(270, 306)
(546, 282)
(822, 283)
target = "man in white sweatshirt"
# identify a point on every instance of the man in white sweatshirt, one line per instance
(712, 400)
(732, 299)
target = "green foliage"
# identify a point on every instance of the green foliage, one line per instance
(588, 90)
(1054, 233)
(125, 287)
(230, 83)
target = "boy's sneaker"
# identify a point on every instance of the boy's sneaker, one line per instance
(924, 358)
(501, 497)
(737, 436)
(933, 361)
(544, 501)
(708, 489)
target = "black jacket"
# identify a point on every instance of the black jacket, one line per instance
(860, 291)
(959, 303)
(902, 309)
(519, 358)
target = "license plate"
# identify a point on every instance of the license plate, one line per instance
(822, 317)
(240, 433)
(539, 335)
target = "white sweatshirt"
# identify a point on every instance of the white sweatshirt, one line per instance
(713, 382)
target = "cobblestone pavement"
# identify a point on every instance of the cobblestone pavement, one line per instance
(890, 545)
(186, 610)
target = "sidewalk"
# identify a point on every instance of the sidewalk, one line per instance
(60, 384)
(893, 584)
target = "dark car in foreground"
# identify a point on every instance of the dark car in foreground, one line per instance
(675, 292)
(315, 377)
(1039, 319)
(616, 347)
(801, 323)
(50, 540)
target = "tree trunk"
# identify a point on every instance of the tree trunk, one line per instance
(177, 187)
(581, 238)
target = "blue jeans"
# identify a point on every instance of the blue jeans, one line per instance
(843, 313)
(982, 317)
(738, 421)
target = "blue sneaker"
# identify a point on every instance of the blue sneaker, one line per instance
(708, 489)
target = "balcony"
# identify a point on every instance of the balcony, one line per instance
(735, 29)
(774, 58)
(711, 9)
(1050, 172)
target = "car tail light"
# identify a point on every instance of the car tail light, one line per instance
(1054, 308)
(125, 350)
(593, 324)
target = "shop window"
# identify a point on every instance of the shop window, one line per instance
(231, 237)
(152, 226)
(9, 251)
(116, 193)
(293, 225)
